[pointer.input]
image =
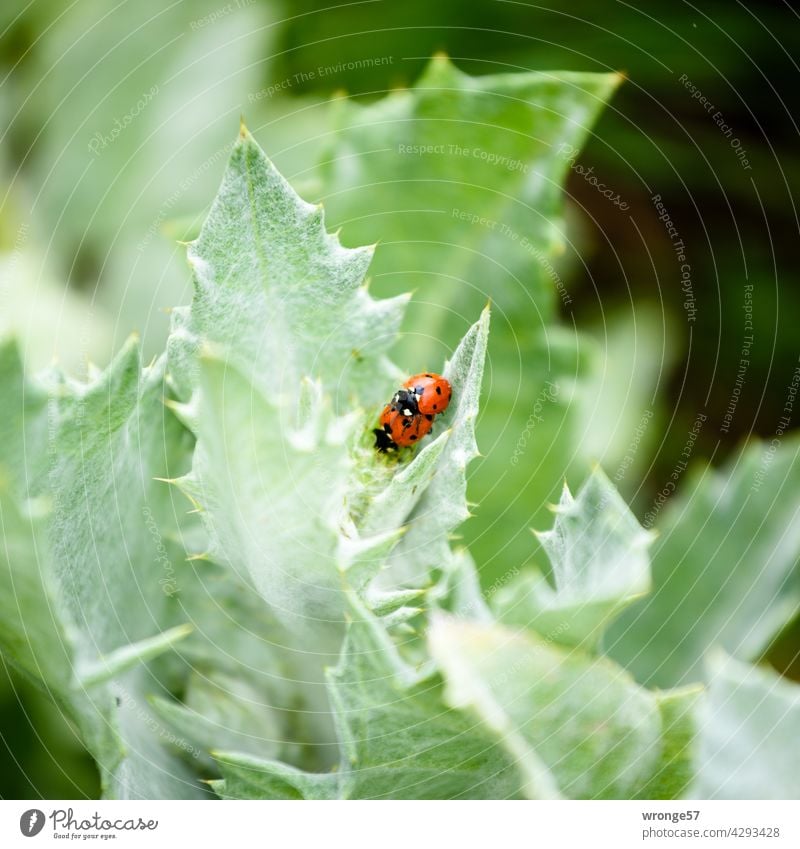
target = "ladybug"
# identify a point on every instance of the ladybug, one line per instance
(432, 392)
(401, 422)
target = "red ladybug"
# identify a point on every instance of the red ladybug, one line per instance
(401, 422)
(432, 392)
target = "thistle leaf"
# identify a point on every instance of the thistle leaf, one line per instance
(81, 585)
(575, 726)
(725, 569)
(599, 562)
(279, 293)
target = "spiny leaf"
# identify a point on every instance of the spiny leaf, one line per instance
(465, 173)
(725, 568)
(399, 739)
(279, 293)
(598, 555)
(253, 778)
(84, 577)
(575, 726)
(443, 506)
(269, 490)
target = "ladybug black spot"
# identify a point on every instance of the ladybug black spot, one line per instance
(412, 437)
(438, 390)
(383, 442)
(429, 417)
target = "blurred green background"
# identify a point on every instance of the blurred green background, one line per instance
(116, 119)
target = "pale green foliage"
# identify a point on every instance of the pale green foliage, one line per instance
(279, 292)
(750, 731)
(459, 178)
(725, 569)
(598, 555)
(83, 570)
(576, 726)
(118, 161)
(298, 624)
(488, 147)
(398, 738)
(442, 506)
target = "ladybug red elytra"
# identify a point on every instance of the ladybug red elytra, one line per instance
(409, 415)
(432, 390)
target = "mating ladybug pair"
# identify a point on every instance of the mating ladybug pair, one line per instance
(409, 415)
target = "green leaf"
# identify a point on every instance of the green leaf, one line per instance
(443, 505)
(113, 167)
(399, 739)
(576, 727)
(279, 293)
(680, 724)
(460, 181)
(390, 506)
(224, 711)
(247, 686)
(269, 490)
(725, 568)
(128, 657)
(35, 632)
(253, 778)
(750, 745)
(465, 174)
(598, 555)
(82, 585)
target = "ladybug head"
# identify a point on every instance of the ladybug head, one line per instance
(405, 403)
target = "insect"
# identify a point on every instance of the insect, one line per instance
(432, 391)
(409, 415)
